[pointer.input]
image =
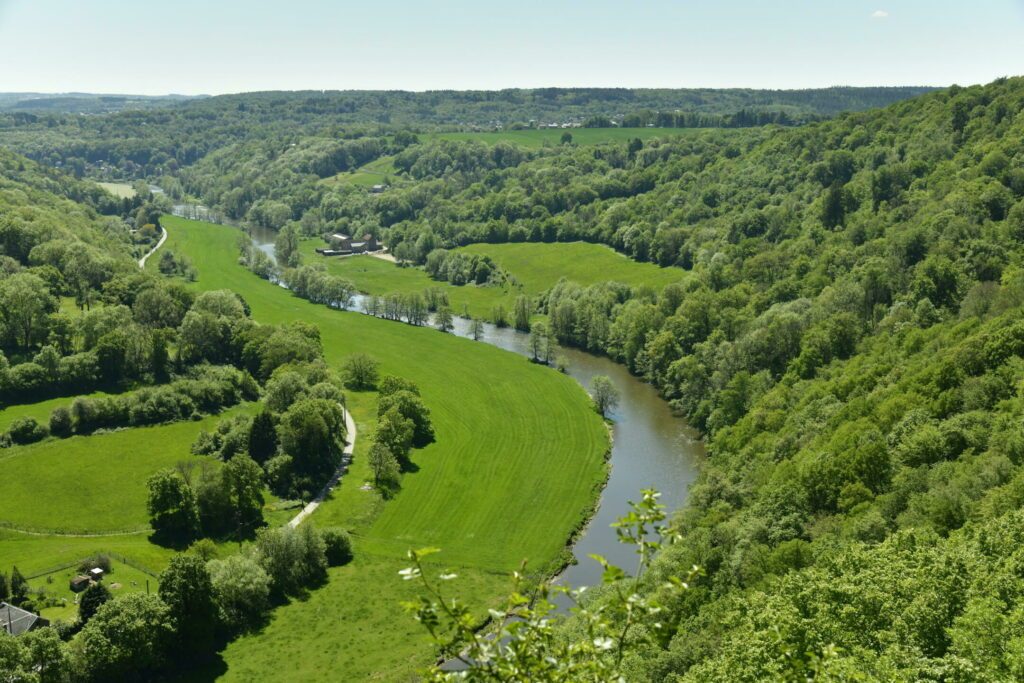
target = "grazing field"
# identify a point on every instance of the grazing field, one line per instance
(536, 268)
(518, 459)
(91, 484)
(119, 190)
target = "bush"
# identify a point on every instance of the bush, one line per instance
(27, 430)
(338, 546)
(98, 560)
(60, 422)
(241, 590)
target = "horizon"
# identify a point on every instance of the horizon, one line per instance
(117, 47)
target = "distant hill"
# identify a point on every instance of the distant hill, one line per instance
(85, 103)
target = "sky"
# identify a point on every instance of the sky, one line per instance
(223, 46)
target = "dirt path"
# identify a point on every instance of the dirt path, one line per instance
(346, 460)
(382, 255)
(163, 238)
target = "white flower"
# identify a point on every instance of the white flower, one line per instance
(603, 643)
(409, 573)
(448, 577)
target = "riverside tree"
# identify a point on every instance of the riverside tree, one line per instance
(604, 393)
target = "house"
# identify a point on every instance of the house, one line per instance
(340, 242)
(343, 245)
(377, 189)
(16, 621)
(368, 243)
(79, 583)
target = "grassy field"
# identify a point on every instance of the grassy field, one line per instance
(91, 484)
(119, 190)
(517, 461)
(40, 411)
(536, 268)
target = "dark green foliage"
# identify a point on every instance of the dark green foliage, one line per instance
(311, 431)
(172, 507)
(186, 589)
(90, 601)
(262, 437)
(27, 430)
(18, 586)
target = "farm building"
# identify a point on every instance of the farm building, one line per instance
(16, 621)
(96, 574)
(377, 189)
(343, 245)
(79, 583)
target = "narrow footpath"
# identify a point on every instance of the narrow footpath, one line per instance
(346, 460)
(163, 238)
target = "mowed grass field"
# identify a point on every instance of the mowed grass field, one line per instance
(518, 459)
(536, 267)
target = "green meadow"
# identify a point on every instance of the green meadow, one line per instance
(538, 266)
(535, 266)
(517, 462)
(91, 484)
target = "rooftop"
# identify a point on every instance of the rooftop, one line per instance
(16, 621)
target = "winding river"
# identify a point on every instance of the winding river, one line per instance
(652, 448)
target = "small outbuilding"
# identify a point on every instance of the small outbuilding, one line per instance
(96, 574)
(79, 583)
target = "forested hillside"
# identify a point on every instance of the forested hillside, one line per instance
(151, 140)
(851, 346)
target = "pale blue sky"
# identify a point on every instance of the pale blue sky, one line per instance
(218, 46)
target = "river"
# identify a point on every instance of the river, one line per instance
(652, 448)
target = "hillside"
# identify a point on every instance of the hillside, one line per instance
(155, 137)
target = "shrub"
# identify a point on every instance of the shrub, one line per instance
(241, 590)
(338, 546)
(27, 430)
(60, 422)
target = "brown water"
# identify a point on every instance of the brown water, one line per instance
(652, 448)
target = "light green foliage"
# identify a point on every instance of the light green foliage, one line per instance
(241, 590)
(604, 393)
(526, 645)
